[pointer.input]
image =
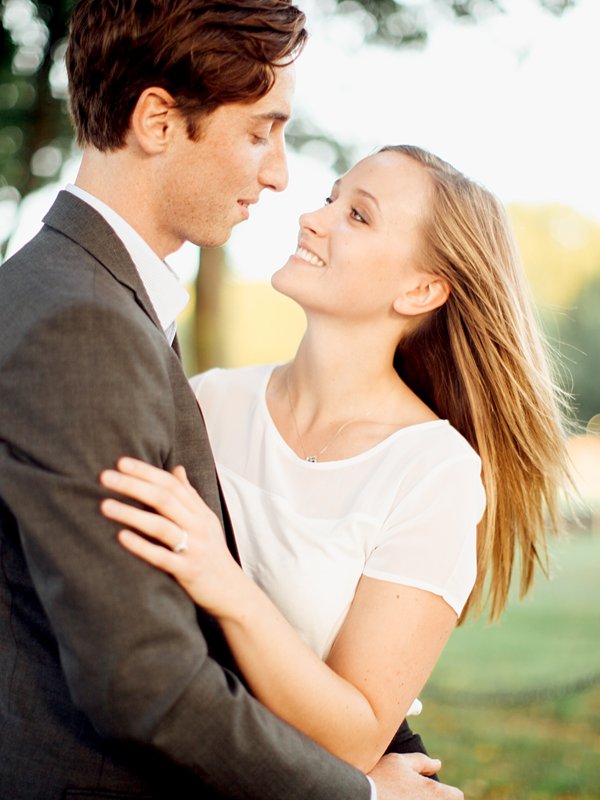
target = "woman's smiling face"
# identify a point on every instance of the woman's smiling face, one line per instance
(356, 253)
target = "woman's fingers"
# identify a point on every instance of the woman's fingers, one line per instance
(170, 495)
(154, 554)
(159, 528)
(140, 469)
(189, 542)
(188, 537)
(175, 501)
(158, 497)
(181, 475)
(161, 478)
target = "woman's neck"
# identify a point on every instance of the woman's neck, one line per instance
(341, 395)
(335, 375)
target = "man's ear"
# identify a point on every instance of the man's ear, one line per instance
(153, 119)
(427, 293)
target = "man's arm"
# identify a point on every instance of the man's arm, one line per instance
(82, 389)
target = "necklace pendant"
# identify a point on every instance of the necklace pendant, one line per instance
(312, 459)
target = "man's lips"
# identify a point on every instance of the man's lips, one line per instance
(245, 206)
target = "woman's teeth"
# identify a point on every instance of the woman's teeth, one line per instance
(306, 255)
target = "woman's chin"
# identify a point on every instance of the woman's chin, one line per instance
(283, 282)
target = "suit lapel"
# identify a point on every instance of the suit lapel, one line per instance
(176, 347)
(84, 225)
(228, 525)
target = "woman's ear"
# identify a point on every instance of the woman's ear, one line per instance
(427, 293)
(153, 120)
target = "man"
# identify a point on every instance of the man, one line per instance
(113, 685)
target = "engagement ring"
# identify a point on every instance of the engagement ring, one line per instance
(182, 544)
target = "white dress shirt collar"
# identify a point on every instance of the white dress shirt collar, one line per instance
(166, 293)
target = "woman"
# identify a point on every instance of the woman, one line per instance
(352, 474)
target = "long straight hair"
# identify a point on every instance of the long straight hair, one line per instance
(480, 362)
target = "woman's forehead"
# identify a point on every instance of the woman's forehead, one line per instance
(398, 183)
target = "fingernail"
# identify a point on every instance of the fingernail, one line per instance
(110, 476)
(126, 463)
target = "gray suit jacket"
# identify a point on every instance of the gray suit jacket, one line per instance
(112, 683)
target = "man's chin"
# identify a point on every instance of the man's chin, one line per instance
(214, 241)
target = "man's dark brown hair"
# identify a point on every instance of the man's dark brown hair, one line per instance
(205, 54)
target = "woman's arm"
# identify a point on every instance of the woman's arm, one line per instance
(384, 653)
(353, 703)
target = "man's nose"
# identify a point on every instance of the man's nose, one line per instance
(274, 173)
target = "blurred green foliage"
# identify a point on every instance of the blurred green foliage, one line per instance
(580, 347)
(35, 131)
(560, 248)
(496, 742)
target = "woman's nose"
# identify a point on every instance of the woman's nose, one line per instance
(313, 221)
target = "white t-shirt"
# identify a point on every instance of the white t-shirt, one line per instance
(404, 511)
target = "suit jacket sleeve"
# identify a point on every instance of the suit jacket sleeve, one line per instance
(82, 388)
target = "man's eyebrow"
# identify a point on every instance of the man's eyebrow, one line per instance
(272, 116)
(362, 192)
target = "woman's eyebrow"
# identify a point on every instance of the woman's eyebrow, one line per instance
(337, 184)
(370, 196)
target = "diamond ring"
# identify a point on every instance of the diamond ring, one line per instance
(183, 543)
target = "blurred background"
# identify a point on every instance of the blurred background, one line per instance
(503, 89)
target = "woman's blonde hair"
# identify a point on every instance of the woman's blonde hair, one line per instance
(479, 361)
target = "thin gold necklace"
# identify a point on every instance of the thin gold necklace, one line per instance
(314, 458)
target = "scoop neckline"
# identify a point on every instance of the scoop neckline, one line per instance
(340, 462)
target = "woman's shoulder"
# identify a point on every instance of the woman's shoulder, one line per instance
(436, 460)
(435, 442)
(231, 401)
(429, 538)
(221, 381)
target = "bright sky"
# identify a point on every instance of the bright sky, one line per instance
(511, 101)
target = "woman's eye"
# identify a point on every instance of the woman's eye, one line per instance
(358, 217)
(328, 200)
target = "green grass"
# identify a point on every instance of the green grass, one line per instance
(496, 742)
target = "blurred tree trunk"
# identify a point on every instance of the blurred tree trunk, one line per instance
(209, 282)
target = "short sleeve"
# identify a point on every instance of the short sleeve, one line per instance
(429, 540)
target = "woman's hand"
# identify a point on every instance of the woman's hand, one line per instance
(195, 551)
